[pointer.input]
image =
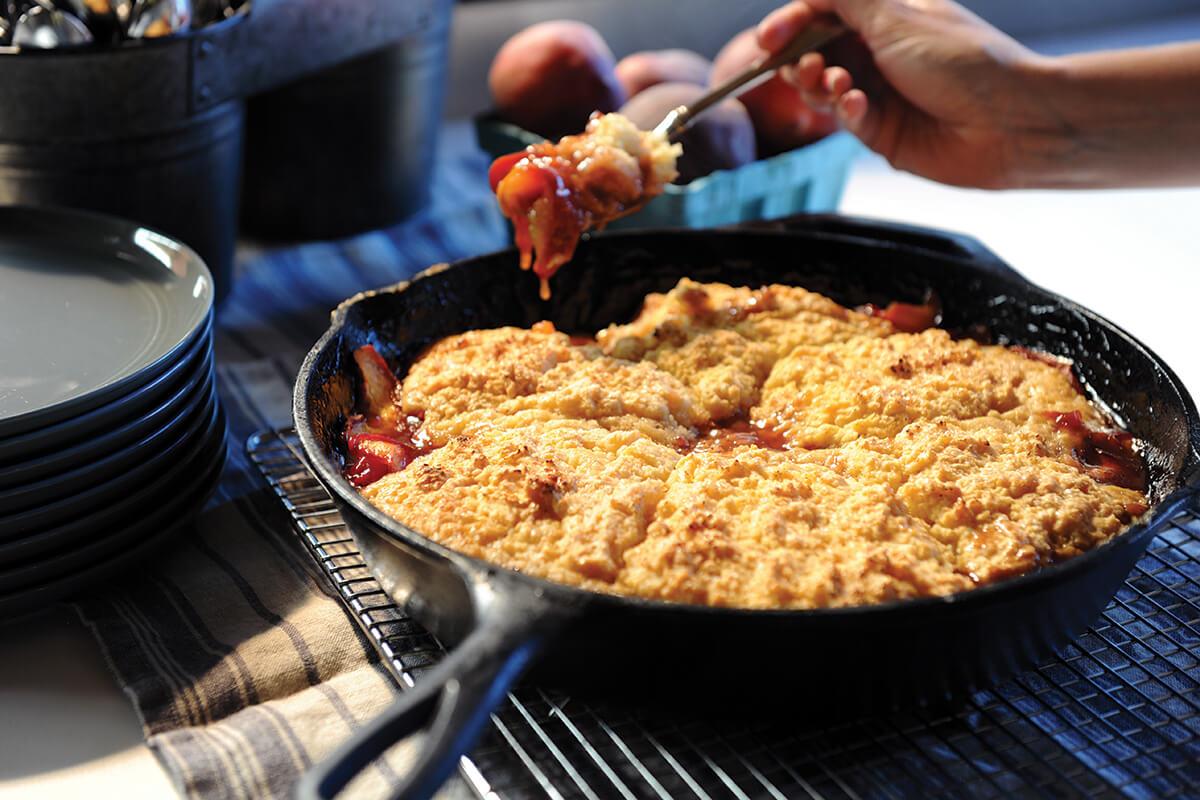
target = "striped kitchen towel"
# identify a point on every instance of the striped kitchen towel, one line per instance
(242, 665)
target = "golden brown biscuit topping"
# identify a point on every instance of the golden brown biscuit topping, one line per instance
(761, 448)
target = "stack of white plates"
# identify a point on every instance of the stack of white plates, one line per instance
(111, 437)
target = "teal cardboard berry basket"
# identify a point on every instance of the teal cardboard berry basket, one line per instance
(807, 179)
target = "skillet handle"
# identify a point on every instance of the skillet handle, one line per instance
(941, 243)
(451, 702)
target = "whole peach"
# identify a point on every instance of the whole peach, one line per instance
(639, 71)
(551, 76)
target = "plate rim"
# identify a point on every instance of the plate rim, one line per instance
(32, 545)
(69, 481)
(117, 535)
(122, 231)
(132, 429)
(28, 598)
(31, 443)
(29, 521)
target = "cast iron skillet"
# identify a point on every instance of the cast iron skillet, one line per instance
(498, 620)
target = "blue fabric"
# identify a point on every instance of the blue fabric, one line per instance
(461, 221)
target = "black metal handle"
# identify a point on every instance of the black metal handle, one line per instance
(936, 242)
(453, 701)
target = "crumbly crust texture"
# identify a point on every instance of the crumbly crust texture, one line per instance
(912, 464)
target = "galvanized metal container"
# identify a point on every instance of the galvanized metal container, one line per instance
(347, 149)
(153, 130)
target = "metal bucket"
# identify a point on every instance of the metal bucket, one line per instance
(182, 180)
(153, 130)
(113, 130)
(347, 149)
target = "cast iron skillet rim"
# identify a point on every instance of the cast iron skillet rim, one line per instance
(469, 566)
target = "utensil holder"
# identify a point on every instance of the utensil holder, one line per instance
(347, 149)
(153, 129)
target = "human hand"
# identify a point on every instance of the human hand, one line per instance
(927, 84)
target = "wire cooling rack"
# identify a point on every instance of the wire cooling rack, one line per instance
(1117, 714)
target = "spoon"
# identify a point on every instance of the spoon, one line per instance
(44, 27)
(816, 35)
(156, 18)
(100, 16)
(544, 184)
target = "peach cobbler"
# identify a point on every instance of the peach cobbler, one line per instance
(762, 448)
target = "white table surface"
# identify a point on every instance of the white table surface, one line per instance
(66, 730)
(1134, 256)
(1131, 256)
